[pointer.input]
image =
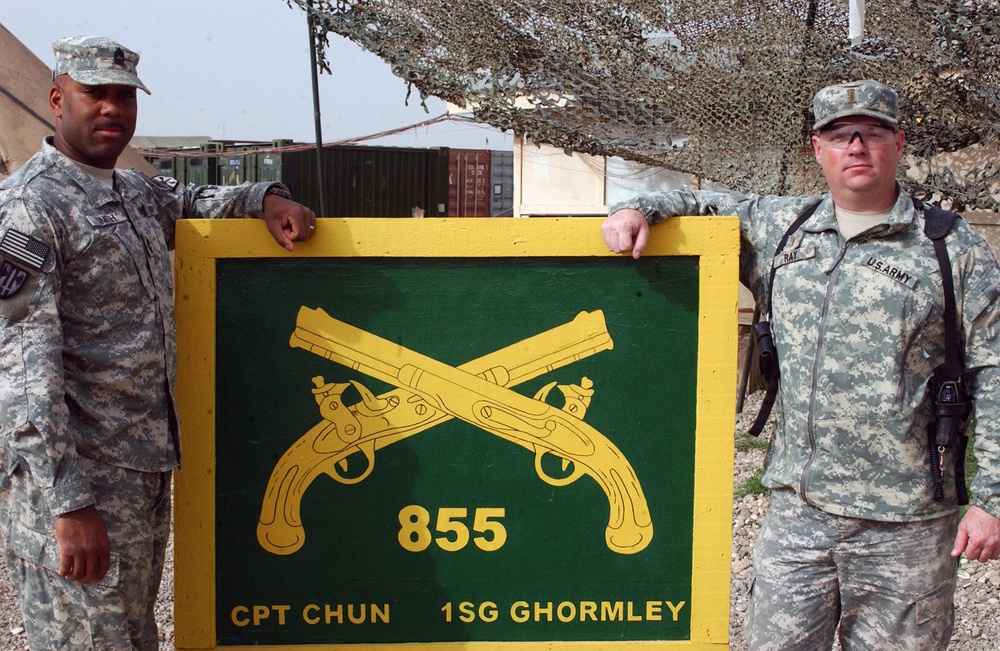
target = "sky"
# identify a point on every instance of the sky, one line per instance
(239, 70)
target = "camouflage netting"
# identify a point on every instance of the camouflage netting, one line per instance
(720, 89)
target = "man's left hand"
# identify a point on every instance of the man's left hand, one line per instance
(978, 536)
(288, 221)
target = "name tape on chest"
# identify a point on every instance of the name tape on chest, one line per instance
(794, 255)
(891, 271)
(107, 219)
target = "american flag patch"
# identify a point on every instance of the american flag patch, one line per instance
(25, 249)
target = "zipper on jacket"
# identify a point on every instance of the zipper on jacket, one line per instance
(810, 425)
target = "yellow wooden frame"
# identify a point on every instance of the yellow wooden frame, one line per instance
(199, 243)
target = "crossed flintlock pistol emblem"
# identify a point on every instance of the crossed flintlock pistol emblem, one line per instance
(430, 392)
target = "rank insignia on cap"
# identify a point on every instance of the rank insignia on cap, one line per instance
(25, 249)
(12, 279)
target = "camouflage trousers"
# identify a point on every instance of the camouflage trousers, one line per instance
(889, 586)
(115, 614)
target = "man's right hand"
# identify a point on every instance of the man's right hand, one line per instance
(84, 548)
(626, 231)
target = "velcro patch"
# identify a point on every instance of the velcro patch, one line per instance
(891, 271)
(26, 250)
(167, 183)
(12, 279)
(16, 287)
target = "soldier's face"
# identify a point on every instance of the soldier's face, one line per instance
(94, 124)
(862, 169)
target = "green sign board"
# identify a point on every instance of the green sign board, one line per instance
(452, 432)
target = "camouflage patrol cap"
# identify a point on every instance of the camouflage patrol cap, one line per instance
(865, 97)
(96, 61)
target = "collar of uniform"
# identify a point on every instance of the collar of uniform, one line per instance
(96, 192)
(901, 215)
(825, 217)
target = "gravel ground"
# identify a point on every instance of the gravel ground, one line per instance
(977, 626)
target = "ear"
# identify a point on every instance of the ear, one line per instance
(55, 100)
(815, 140)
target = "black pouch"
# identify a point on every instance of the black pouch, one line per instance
(767, 355)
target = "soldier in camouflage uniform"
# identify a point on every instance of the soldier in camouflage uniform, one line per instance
(87, 356)
(854, 536)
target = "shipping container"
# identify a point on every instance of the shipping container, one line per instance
(469, 183)
(387, 182)
(267, 167)
(232, 169)
(297, 170)
(199, 170)
(365, 181)
(502, 182)
(165, 166)
(358, 181)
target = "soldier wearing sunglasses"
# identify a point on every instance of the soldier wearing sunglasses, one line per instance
(855, 540)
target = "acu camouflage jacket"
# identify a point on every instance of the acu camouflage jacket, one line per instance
(858, 327)
(87, 350)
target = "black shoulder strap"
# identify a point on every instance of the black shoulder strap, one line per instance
(772, 386)
(937, 225)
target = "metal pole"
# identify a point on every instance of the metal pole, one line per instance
(310, 18)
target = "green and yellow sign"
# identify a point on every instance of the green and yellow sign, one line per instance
(454, 432)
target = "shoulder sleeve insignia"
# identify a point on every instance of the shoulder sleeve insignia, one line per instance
(165, 183)
(12, 279)
(27, 250)
(17, 286)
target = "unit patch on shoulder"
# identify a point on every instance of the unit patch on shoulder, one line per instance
(12, 279)
(167, 183)
(21, 259)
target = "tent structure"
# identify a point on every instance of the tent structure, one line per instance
(25, 116)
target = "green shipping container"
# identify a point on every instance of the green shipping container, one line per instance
(364, 181)
(236, 167)
(199, 170)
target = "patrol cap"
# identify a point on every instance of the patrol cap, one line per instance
(865, 97)
(96, 61)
